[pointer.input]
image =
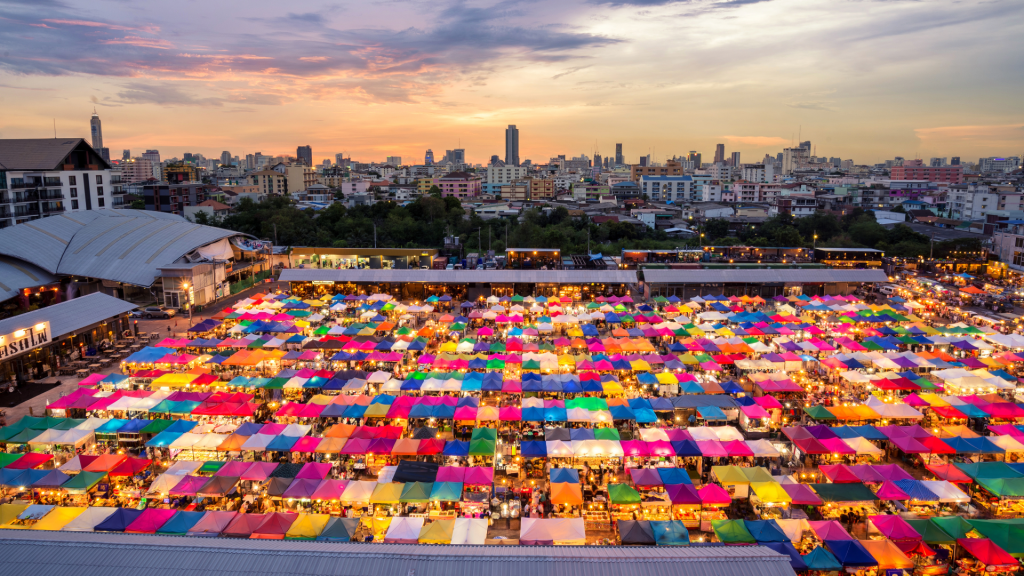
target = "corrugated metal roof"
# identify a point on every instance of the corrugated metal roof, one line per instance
(113, 554)
(762, 276)
(18, 274)
(462, 276)
(69, 316)
(118, 245)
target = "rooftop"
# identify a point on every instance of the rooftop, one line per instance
(16, 275)
(461, 276)
(69, 316)
(103, 554)
(762, 276)
(43, 153)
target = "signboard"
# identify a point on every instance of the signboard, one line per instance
(24, 340)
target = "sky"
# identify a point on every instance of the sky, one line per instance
(860, 79)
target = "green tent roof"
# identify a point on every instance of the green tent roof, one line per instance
(822, 560)
(481, 447)
(955, 526)
(819, 412)
(416, 491)
(156, 426)
(83, 481)
(623, 494)
(446, 492)
(1008, 536)
(930, 532)
(844, 492)
(1004, 487)
(732, 531)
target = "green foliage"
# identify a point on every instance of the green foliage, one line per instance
(138, 204)
(716, 228)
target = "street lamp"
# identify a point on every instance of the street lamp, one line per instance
(188, 295)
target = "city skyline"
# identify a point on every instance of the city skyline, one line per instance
(866, 80)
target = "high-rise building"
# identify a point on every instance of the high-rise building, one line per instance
(126, 155)
(495, 160)
(152, 156)
(643, 161)
(694, 157)
(512, 145)
(734, 161)
(97, 131)
(304, 154)
(719, 153)
(428, 158)
(619, 159)
(954, 161)
(937, 162)
(225, 158)
(806, 145)
(597, 160)
(395, 161)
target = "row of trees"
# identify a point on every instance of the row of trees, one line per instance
(856, 229)
(426, 222)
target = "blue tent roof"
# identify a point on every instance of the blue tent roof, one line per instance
(822, 560)
(181, 522)
(851, 553)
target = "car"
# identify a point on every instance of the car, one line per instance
(137, 313)
(158, 312)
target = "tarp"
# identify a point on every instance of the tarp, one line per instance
(404, 530)
(437, 532)
(670, 533)
(180, 523)
(822, 560)
(87, 521)
(339, 530)
(887, 554)
(469, 531)
(307, 527)
(635, 532)
(850, 553)
(213, 523)
(986, 551)
(151, 520)
(732, 531)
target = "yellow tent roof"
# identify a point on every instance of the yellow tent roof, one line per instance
(437, 532)
(58, 518)
(9, 512)
(173, 380)
(933, 399)
(307, 526)
(377, 410)
(730, 474)
(667, 378)
(770, 492)
(387, 493)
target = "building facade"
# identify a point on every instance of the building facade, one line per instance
(460, 185)
(173, 198)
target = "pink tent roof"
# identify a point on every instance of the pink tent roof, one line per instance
(314, 470)
(802, 495)
(149, 521)
(714, 494)
(768, 402)
(188, 486)
(479, 476)
(213, 522)
(451, 474)
(306, 444)
(890, 491)
(682, 494)
(894, 527)
(829, 529)
(301, 488)
(234, 469)
(259, 471)
(891, 472)
(712, 449)
(837, 446)
(329, 489)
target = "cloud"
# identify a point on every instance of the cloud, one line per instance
(163, 95)
(812, 105)
(758, 141)
(993, 134)
(569, 71)
(105, 25)
(702, 5)
(141, 42)
(306, 17)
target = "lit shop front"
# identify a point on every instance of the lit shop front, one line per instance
(418, 285)
(362, 258)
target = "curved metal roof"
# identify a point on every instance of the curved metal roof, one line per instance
(118, 245)
(16, 275)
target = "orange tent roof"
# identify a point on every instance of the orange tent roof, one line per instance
(566, 493)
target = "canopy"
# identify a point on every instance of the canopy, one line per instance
(548, 531)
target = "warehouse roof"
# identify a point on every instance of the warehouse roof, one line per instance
(763, 276)
(117, 245)
(461, 276)
(103, 554)
(16, 275)
(70, 316)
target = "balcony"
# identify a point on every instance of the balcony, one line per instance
(50, 195)
(21, 184)
(50, 209)
(5, 212)
(26, 211)
(52, 181)
(31, 196)
(115, 180)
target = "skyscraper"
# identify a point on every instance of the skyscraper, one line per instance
(597, 160)
(694, 157)
(428, 158)
(512, 145)
(954, 161)
(719, 153)
(735, 160)
(305, 154)
(618, 155)
(126, 155)
(152, 156)
(225, 158)
(97, 131)
(395, 161)
(806, 145)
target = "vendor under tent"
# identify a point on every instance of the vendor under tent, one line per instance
(339, 530)
(994, 558)
(887, 554)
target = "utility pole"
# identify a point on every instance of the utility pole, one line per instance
(375, 235)
(588, 241)
(931, 247)
(275, 233)
(489, 230)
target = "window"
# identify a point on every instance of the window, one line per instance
(72, 180)
(100, 202)
(74, 204)
(74, 192)
(99, 190)
(1019, 242)
(1018, 260)
(99, 178)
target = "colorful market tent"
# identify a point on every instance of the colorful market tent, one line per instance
(549, 531)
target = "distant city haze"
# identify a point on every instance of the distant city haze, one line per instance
(861, 79)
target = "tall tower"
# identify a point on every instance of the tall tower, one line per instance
(428, 158)
(304, 154)
(97, 131)
(719, 153)
(512, 145)
(619, 159)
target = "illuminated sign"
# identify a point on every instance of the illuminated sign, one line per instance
(24, 340)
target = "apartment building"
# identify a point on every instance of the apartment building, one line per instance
(754, 192)
(180, 173)
(668, 188)
(45, 177)
(270, 182)
(173, 198)
(518, 190)
(796, 205)
(506, 174)
(671, 168)
(758, 172)
(542, 189)
(916, 170)
(300, 177)
(137, 170)
(460, 185)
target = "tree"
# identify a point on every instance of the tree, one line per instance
(867, 233)
(716, 228)
(138, 204)
(435, 191)
(787, 236)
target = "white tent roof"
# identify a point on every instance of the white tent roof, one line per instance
(92, 424)
(862, 445)
(653, 434)
(164, 483)
(183, 467)
(257, 442)
(88, 520)
(946, 491)
(404, 528)
(763, 448)
(558, 448)
(469, 531)
(359, 491)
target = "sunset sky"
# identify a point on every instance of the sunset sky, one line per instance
(861, 79)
